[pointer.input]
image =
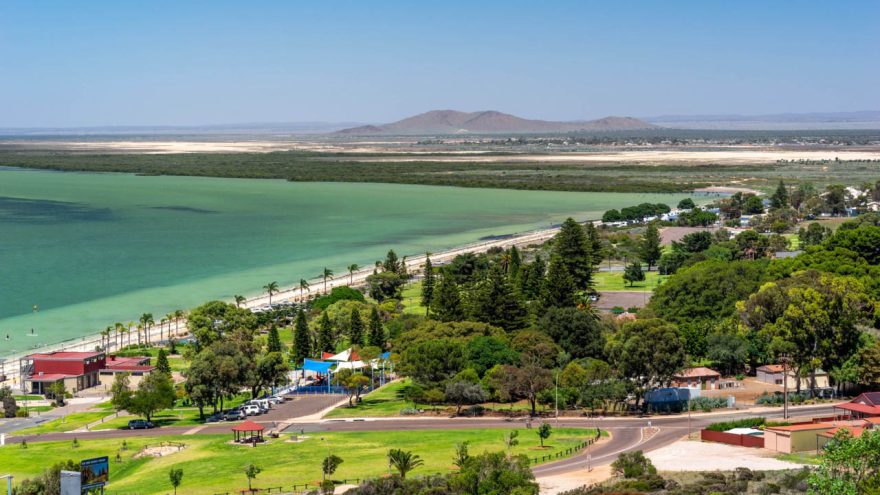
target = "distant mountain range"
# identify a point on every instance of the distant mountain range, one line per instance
(778, 121)
(488, 122)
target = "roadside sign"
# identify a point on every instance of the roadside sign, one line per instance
(95, 472)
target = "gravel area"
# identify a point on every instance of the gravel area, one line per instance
(707, 456)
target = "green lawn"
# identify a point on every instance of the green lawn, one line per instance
(211, 465)
(179, 416)
(67, 423)
(614, 281)
(382, 402)
(412, 299)
(28, 397)
(386, 402)
(810, 458)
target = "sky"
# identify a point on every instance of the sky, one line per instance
(95, 63)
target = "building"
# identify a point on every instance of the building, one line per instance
(136, 367)
(700, 377)
(795, 438)
(76, 370)
(773, 373)
(866, 405)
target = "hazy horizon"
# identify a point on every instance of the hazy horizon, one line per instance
(169, 64)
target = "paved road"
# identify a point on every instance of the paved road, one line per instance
(627, 434)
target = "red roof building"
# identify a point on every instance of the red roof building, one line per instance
(77, 370)
(866, 405)
(136, 367)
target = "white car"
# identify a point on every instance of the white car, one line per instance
(252, 410)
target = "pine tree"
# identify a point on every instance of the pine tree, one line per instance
(162, 362)
(633, 273)
(356, 330)
(531, 282)
(649, 248)
(302, 342)
(498, 303)
(446, 303)
(515, 263)
(391, 263)
(570, 247)
(428, 283)
(594, 242)
(780, 197)
(559, 286)
(273, 341)
(377, 332)
(325, 334)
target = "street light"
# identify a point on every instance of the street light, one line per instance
(8, 483)
(557, 398)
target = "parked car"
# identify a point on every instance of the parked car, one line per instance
(252, 410)
(214, 418)
(234, 415)
(140, 424)
(276, 399)
(264, 404)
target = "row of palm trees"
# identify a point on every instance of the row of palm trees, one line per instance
(273, 288)
(116, 331)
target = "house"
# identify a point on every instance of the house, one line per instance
(773, 373)
(866, 405)
(136, 367)
(76, 370)
(700, 377)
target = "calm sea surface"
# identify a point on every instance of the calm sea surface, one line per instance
(92, 249)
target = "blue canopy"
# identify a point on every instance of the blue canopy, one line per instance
(317, 366)
(386, 355)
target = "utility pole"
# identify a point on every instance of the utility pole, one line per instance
(784, 359)
(557, 398)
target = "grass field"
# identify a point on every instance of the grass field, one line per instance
(212, 465)
(412, 299)
(67, 423)
(614, 281)
(383, 402)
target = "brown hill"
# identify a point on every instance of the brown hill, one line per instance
(489, 122)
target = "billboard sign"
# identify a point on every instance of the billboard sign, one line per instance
(95, 472)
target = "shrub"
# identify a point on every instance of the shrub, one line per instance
(633, 465)
(739, 423)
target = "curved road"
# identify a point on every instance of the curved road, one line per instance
(627, 434)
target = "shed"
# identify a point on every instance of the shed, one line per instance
(794, 438)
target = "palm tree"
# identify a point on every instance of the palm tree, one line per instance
(169, 318)
(327, 273)
(403, 461)
(239, 299)
(129, 325)
(304, 286)
(179, 314)
(271, 288)
(147, 321)
(105, 333)
(120, 328)
(139, 328)
(351, 269)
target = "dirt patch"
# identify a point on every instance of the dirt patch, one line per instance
(159, 451)
(551, 485)
(706, 456)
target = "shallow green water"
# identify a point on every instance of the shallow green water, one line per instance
(93, 249)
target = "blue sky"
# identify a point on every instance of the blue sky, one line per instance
(206, 62)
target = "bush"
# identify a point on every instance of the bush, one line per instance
(343, 293)
(633, 465)
(707, 404)
(740, 423)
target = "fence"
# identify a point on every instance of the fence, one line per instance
(568, 451)
(732, 439)
(321, 390)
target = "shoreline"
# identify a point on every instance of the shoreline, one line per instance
(10, 364)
